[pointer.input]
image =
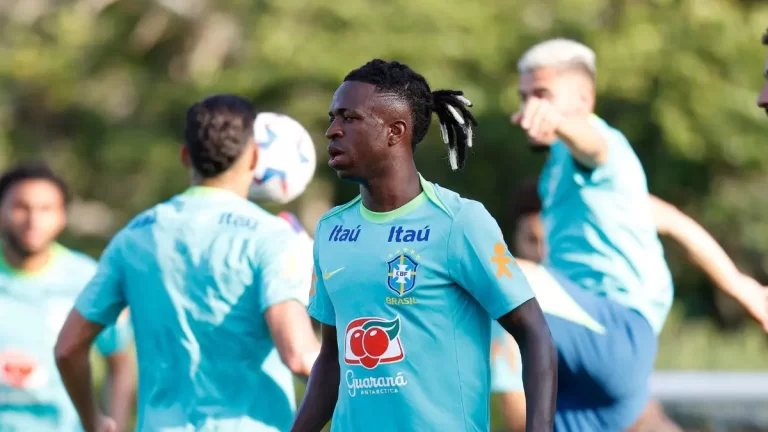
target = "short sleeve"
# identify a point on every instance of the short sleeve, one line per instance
(284, 272)
(103, 298)
(480, 262)
(116, 337)
(619, 149)
(320, 306)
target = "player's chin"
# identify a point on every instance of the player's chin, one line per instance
(539, 144)
(538, 147)
(344, 168)
(31, 244)
(348, 175)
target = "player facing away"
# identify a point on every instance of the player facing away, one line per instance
(408, 273)
(39, 282)
(762, 99)
(605, 288)
(216, 290)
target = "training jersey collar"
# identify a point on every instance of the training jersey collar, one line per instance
(428, 194)
(209, 192)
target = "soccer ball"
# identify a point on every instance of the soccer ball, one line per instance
(286, 161)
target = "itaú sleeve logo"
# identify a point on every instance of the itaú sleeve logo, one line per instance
(372, 341)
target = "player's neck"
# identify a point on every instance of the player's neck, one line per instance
(27, 263)
(392, 191)
(223, 182)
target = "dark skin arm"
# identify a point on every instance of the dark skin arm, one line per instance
(529, 328)
(73, 360)
(121, 386)
(322, 393)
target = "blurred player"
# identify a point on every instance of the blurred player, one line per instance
(527, 240)
(701, 249)
(407, 274)
(606, 283)
(762, 99)
(39, 282)
(216, 290)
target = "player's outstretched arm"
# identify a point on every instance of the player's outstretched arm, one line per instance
(73, 361)
(322, 392)
(543, 124)
(293, 336)
(527, 325)
(704, 252)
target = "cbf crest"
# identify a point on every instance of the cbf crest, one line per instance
(402, 271)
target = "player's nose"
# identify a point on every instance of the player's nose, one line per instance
(334, 130)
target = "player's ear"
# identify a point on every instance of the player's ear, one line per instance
(254, 156)
(61, 221)
(184, 156)
(397, 131)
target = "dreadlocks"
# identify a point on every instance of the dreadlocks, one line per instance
(456, 122)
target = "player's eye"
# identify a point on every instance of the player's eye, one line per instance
(348, 119)
(330, 119)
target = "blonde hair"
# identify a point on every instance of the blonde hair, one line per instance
(559, 53)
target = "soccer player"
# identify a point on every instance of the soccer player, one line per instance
(762, 99)
(527, 239)
(526, 232)
(216, 290)
(39, 282)
(407, 274)
(606, 288)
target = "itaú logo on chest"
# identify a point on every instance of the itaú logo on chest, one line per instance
(398, 234)
(341, 234)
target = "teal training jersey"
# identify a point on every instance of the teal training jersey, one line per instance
(599, 228)
(199, 271)
(33, 308)
(412, 293)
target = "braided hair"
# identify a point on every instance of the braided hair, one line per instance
(399, 80)
(218, 130)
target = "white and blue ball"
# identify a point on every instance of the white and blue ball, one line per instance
(286, 161)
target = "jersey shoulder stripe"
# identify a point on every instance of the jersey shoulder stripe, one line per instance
(338, 209)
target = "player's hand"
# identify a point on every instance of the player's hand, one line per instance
(106, 424)
(540, 120)
(754, 297)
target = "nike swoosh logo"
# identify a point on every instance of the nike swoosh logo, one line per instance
(328, 275)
